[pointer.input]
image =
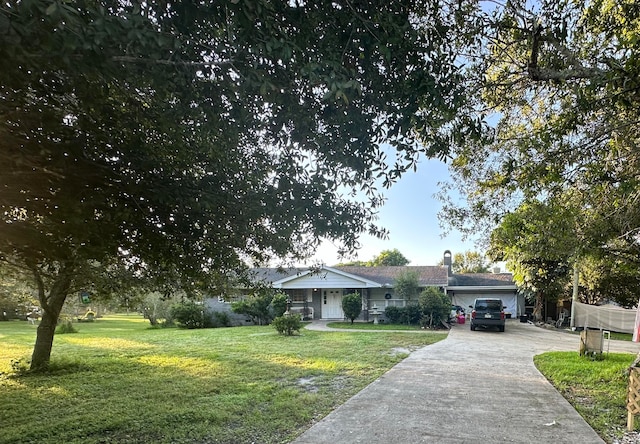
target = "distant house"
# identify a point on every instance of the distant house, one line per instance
(317, 292)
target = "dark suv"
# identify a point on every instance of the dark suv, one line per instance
(487, 312)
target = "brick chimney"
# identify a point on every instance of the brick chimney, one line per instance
(447, 261)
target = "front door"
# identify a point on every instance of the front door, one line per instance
(332, 304)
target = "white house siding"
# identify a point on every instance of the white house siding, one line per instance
(327, 288)
(323, 279)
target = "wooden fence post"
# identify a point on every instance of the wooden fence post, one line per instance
(633, 396)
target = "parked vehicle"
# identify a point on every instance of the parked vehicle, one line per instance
(487, 312)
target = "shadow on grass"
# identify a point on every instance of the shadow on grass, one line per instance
(225, 385)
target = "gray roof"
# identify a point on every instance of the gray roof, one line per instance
(481, 280)
(271, 275)
(386, 276)
(427, 275)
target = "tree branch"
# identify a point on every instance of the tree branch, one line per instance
(42, 297)
(541, 74)
(129, 59)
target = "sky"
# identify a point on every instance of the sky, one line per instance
(410, 216)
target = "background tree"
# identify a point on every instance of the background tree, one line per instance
(352, 306)
(17, 298)
(469, 262)
(407, 285)
(155, 307)
(538, 241)
(389, 258)
(184, 141)
(606, 279)
(354, 264)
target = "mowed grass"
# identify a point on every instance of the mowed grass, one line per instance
(118, 381)
(596, 389)
(372, 326)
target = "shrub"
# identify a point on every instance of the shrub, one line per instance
(410, 314)
(352, 306)
(435, 306)
(168, 322)
(393, 315)
(288, 325)
(256, 307)
(190, 315)
(278, 305)
(221, 319)
(65, 326)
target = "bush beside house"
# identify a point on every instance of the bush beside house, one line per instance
(352, 306)
(435, 307)
(263, 308)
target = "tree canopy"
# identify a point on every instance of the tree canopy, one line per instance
(560, 81)
(558, 87)
(469, 262)
(538, 242)
(183, 141)
(407, 284)
(391, 258)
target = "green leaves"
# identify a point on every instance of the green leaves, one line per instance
(554, 172)
(199, 138)
(469, 262)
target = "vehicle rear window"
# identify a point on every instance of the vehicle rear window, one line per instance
(495, 305)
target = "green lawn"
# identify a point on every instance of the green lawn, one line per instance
(621, 336)
(372, 326)
(597, 389)
(118, 381)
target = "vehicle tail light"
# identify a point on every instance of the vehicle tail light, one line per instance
(473, 314)
(502, 315)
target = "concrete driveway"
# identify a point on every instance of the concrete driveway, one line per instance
(479, 387)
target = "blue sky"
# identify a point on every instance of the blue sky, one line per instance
(410, 216)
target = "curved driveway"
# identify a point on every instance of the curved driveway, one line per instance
(477, 387)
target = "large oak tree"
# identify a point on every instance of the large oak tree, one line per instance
(558, 84)
(182, 141)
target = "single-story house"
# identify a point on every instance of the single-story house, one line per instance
(317, 293)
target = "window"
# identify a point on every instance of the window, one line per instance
(489, 304)
(297, 295)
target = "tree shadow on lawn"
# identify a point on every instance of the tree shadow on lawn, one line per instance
(172, 397)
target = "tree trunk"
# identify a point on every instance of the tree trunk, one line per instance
(44, 341)
(51, 306)
(537, 308)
